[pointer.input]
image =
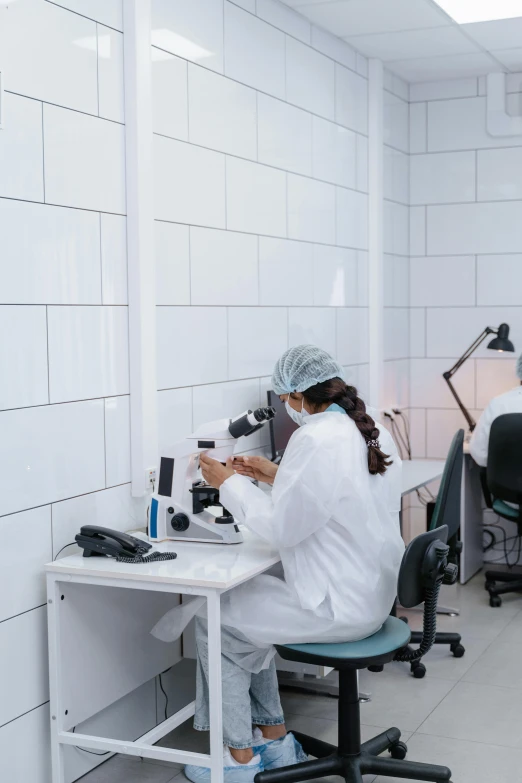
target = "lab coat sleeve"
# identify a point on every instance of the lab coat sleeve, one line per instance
(305, 486)
(479, 443)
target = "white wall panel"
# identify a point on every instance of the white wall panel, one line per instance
(311, 210)
(113, 248)
(442, 281)
(22, 576)
(84, 161)
(460, 125)
(417, 332)
(418, 127)
(499, 174)
(441, 426)
(448, 88)
(494, 378)
(189, 183)
(396, 281)
(88, 352)
(396, 228)
(285, 272)
(284, 18)
(256, 338)
(396, 384)
(396, 122)
(21, 149)
(334, 47)
(351, 100)
(192, 30)
(475, 228)
(310, 79)
(256, 198)
(223, 267)
(117, 441)
(169, 95)
(396, 175)
(284, 135)
(172, 253)
(417, 418)
(351, 218)
(429, 389)
(316, 326)
(352, 335)
(226, 400)
(335, 276)
(23, 356)
(417, 230)
(444, 178)
(451, 330)
(109, 12)
(396, 333)
(499, 279)
(174, 416)
(110, 74)
(17, 763)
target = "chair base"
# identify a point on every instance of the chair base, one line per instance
(352, 767)
(417, 668)
(511, 583)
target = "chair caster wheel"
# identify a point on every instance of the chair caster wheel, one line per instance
(418, 670)
(495, 600)
(399, 751)
(489, 584)
(375, 668)
(404, 620)
(457, 649)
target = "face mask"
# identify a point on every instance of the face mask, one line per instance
(297, 416)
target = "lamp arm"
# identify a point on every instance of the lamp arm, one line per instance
(472, 348)
(469, 418)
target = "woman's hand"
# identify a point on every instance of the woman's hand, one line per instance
(258, 468)
(214, 472)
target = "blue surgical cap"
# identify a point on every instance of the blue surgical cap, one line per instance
(304, 366)
(519, 367)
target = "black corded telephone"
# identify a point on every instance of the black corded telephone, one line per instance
(100, 541)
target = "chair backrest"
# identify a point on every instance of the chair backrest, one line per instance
(447, 506)
(504, 469)
(413, 573)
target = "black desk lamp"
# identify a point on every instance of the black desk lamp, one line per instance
(499, 343)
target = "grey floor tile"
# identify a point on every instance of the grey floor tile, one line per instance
(326, 730)
(499, 665)
(479, 713)
(440, 662)
(470, 762)
(313, 705)
(513, 631)
(124, 770)
(186, 737)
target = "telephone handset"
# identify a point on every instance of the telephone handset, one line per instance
(95, 540)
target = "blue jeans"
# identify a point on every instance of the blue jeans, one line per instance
(248, 699)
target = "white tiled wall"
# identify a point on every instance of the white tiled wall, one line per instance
(64, 405)
(260, 202)
(466, 248)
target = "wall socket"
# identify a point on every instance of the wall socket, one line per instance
(150, 478)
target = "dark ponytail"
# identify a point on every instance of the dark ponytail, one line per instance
(336, 390)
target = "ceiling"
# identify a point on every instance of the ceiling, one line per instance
(417, 40)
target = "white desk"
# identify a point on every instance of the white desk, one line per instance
(416, 473)
(101, 612)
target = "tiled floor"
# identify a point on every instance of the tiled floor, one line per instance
(466, 713)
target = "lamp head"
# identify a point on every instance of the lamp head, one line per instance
(502, 342)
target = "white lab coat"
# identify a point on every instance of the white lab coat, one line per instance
(337, 530)
(510, 402)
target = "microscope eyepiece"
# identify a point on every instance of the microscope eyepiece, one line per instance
(264, 414)
(250, 421)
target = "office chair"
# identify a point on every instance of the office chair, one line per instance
(447, 513)
(503, 485)
(425, 566)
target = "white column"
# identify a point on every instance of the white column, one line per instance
(375, 228)
(140, 241)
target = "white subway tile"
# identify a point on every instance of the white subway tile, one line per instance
(222, 113)
(284, 135)
(226, 400)
(174, 417)
(352, 218)
(499, 174)
(117, 441)
(21, 149)
(109, 12)
(396, 122)
(417, 332)
(494, 378)
(284, 18)
(396, 228)
(50, 453)
(313, 325)
(257, 336)
(110, 74)
(256, 198)
(114, 507)
(499, 280)
(396, 383)
(114, 259)
(430, 390)
(475, 228)
(352, 335)
(362, 65)
(334, 47)
(23, 356)
(223, 267)
(335, 154)
(362, 163)
(84, 161)
(448, 88)
(88, 352)
(247, 41)
(418, 127)
(17, 763)
(185, 334)
(446, 177)
(49, 54)
(248, 5)
(310, 79)
(49, 254)
(24, 677)
(451, 330)
(396, 281)
(171, 248)
(193, 31)
(417, 231)
(311, 210)
(22, 577)
(335, 276)
(169, 95)
(417, 418)
(285, 272)
(351, 99)
(189, 183)
(396, 175)
(362, 278)
(445, 281)
(460, 125)
(396, 322)
(441, 427)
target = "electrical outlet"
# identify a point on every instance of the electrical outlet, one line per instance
(150, 478)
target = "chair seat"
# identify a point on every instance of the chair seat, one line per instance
(374, 650)
(505, 510)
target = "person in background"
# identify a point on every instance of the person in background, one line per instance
(333, 516)
(510, 402)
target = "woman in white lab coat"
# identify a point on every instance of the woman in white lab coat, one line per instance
(334, 517)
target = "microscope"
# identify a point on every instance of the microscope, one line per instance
(186, 508)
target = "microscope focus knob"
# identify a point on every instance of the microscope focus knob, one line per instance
(180, 522)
